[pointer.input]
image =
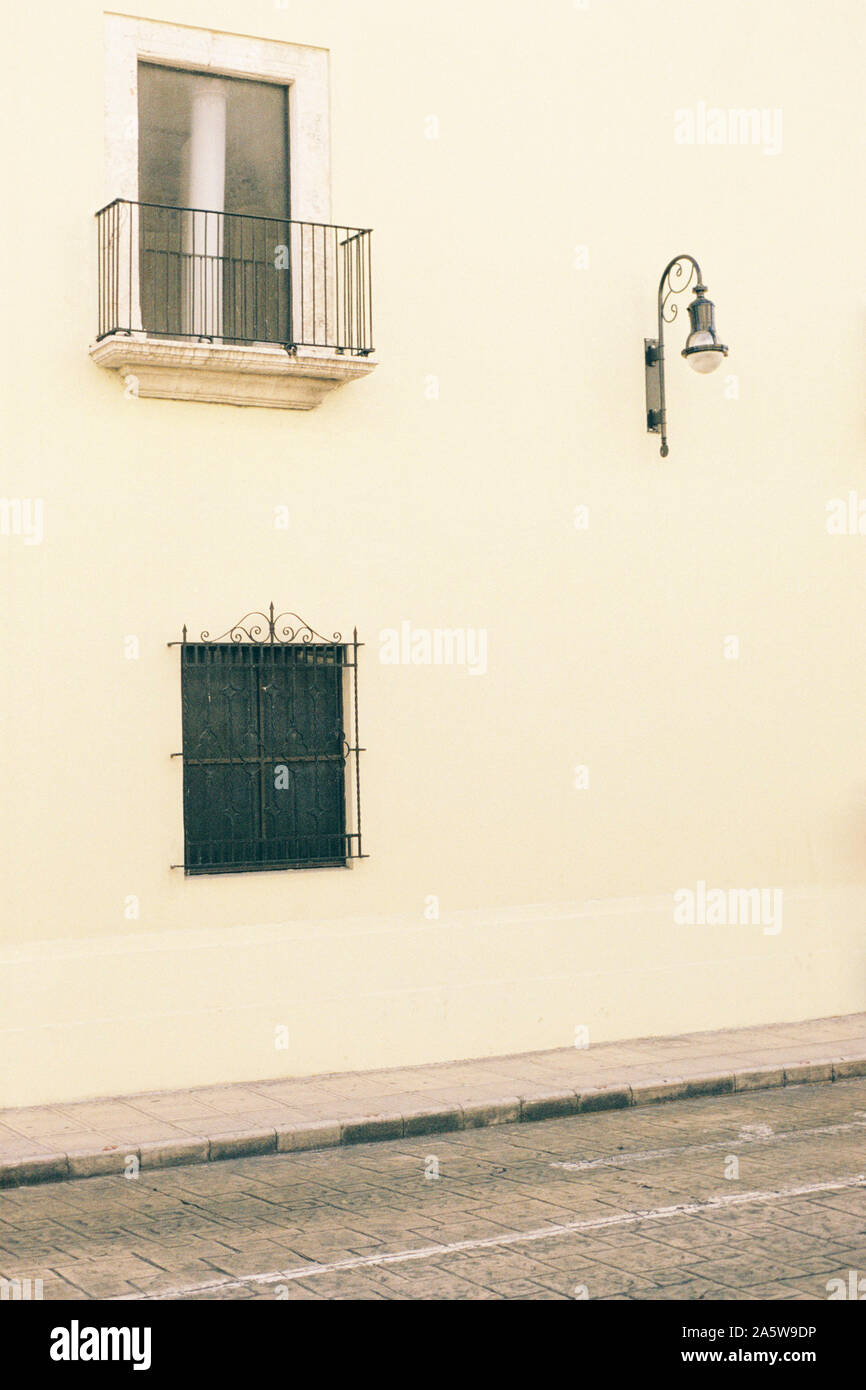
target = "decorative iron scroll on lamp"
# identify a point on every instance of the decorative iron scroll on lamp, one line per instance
(702, 351)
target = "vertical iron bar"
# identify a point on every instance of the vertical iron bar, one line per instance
(244, 279)
(109, 285)
(357, 747)
(359, 289)
(117, 265)
(347, 288)
(350, 302)
(303, 291)
(313, 278)
(294, 319)
(256, 289)
(341, 288)
(195, 293)
(369, 342)
(99, 325)
(359, 257)
(133, 210)
(109, 299)
(176, 257)
(260, 676)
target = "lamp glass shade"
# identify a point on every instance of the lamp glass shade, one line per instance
(703, 352)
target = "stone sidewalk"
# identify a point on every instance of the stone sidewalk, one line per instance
(165, 1129)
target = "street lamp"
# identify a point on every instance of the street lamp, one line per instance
(702, 351)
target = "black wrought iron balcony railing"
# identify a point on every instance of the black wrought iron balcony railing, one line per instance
(230, 278)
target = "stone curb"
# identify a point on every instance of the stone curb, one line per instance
(366, 1129)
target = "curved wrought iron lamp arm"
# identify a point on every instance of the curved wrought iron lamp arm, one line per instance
(654, 349)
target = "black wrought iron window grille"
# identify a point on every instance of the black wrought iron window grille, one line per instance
(271, 778)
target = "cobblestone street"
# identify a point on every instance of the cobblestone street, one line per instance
(751, 1196)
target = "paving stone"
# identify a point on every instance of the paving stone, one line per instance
(759, 1078)
(174, 1152)
(808, 1073)
(605, 1098)
(90, 1164)
(481, 1114)
(849, 1066)
(307, 1135)
(657, 1092)
(550, 1106)
(712, 1084)
(364, 1129)
(242, 1143)
(33, 1169)
(431, 1121)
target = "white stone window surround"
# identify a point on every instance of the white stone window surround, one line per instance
(304, 70)
(255, 375)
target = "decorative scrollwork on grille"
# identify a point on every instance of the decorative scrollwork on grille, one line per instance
(668, 288)
(270, 628)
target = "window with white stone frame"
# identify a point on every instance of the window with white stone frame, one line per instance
(221, 274)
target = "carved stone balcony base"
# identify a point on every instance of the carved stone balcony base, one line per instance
(257, 375)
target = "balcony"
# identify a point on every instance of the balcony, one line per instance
(242, 310)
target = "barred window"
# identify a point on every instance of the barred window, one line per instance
(267, 765)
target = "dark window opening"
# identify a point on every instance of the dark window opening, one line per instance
(214, 206)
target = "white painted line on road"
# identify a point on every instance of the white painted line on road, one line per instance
(429, 1252)
(678, 1151)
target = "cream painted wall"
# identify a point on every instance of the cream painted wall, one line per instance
(556, 131)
